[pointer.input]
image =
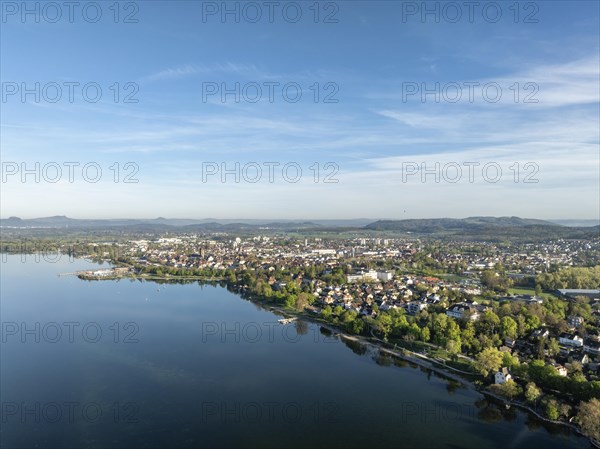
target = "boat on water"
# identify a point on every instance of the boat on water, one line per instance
(287, 320)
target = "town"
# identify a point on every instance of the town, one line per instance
(522, 318)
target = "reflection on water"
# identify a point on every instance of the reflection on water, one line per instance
(355, 346)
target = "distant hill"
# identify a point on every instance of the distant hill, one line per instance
(485, 228)
(150, 225)
(440, 224)
(63, 221)
(575, 222)
(471, 228)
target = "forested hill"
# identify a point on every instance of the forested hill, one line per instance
(488, 228)
(472, 228)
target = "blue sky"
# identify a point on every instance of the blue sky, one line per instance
(374, 58)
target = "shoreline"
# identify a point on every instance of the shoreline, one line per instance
(418, 359)
(415, 358)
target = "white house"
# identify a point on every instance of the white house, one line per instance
(570, 339)
(502, 376)
(540, 333)
(370, 275)
(385, 276)
(461, 310)
(575, 321)
(561, 370)
(416, 307)
(592, 347)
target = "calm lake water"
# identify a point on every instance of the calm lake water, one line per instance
(107, 364)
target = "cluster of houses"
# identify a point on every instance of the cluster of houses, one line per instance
(411, 293)
(574, 348)
(219, 250)
(366, 287)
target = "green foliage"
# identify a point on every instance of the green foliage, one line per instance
(495, 281)
(510, 361)
(453, 346)
(425, 334)
(468, 339)
(589, 418)
(532, 392)
(414, 332)
(383, 323)
(488, 323)
(551, 409)
(488, 360)
(508, 327)
(303, 300)
(572, 277)
(357, 326)
(547, 377)
(581, 307)
(508, 389)
(440, 323)
(290, 301)
(453, 331)
(553, 347)
(556, 307)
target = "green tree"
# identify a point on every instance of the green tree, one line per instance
(509, 360)
(290, 300)
(589, 418)
(508, 389)
(440, 323)
(553, 347)
(263, 289)
(542, 373)
(302, 301)
(347, 319)
(399, 322)
(489, 322)
(414, 331)
(532, 393)
(468, 336)
(488, 360)
(357, 326)
(521, 325)
(452, 331)
(508, 327)
(383, 323)
(453, 346)
(551, 409)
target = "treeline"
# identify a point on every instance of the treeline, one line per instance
(575, 277)
(541, 374)
(209, 273)
(575, 386)
(290, 291)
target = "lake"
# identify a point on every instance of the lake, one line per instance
(111, 364)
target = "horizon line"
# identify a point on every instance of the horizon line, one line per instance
(303, 219)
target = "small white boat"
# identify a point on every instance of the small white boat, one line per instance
(286, 320)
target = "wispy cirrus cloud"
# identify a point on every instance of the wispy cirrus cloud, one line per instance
(570, 83)
(540, 86)
(187, 70)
